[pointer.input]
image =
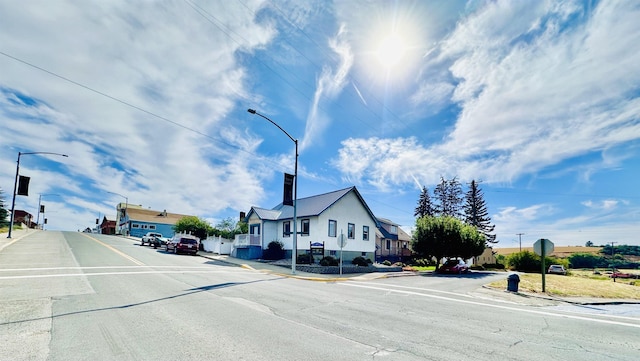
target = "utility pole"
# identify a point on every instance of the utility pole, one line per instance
(520, 236)
(612, 249)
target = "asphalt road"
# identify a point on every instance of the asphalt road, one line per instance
(73, 296)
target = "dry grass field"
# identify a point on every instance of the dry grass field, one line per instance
(560, 251)
(578, 284)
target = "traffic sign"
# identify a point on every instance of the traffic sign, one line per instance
(539, 246)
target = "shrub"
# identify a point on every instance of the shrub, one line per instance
(477, 267)
(422, 262)
(329, 261)
(493, 265)
(361, 261)
(306, 258)
(386, 262)
(274, 251)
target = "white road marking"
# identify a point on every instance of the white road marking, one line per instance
(551, 314)
(104, 274)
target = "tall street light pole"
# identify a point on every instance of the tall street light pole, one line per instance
(15, 185)
(39, 207)
(126, 204)
(294, 249)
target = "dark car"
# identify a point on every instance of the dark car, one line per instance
(454, 266)
(183, 244)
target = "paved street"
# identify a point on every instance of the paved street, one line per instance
(75, 296)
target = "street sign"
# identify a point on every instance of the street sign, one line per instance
(539, 246)
(342, 241)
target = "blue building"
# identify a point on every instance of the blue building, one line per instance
(136, 221)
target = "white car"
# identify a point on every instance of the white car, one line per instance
(150, 238)
(557, 269)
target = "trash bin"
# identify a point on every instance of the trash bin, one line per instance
(512, 282)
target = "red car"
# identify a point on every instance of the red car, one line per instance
(183, 244)
(454, 266)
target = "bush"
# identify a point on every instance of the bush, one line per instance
(493, 265)
(329, 261)
(476, 267)
(526, 261)
(306, 258)
(274, 251)
(386, 262)
(361, 261)
(422, 262)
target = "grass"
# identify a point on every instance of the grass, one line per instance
(577, 285)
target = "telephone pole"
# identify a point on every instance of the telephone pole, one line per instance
(520, 236)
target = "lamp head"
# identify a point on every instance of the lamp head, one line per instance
(252, 111)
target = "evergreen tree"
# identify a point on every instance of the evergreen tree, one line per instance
(4, 212)
(424, 208)
(476, 214)
(448, 194)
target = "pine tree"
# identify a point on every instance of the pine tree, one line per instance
(476, 214)
(4, 212)
(448, 193)
(424, 208)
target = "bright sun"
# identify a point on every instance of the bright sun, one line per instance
(391, 50)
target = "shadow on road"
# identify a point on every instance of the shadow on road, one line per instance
(131, 305)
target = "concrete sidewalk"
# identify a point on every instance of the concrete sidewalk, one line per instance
(285, 270)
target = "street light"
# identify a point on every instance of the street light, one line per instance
(15, 185)
(40, 200)
(294, 250)
(126, 205)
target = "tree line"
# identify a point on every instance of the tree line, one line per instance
(452, 223)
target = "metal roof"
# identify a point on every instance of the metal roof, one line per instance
(309, 206)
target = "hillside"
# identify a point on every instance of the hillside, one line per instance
(560, 251)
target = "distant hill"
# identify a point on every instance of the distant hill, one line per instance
(559, 251)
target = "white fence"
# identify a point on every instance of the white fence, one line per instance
(217, 245)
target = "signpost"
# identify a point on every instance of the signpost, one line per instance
(342, 242)
(543, 247)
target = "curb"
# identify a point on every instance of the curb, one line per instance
(566, 300)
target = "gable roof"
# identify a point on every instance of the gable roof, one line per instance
(309, 206)
(151, 216)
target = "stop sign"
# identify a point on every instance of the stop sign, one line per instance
(548, 247)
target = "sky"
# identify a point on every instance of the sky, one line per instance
(537, 100)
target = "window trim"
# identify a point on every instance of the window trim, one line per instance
(351, 231)
(302, 223)
(365, 233)
(335, 228)
(285, 232)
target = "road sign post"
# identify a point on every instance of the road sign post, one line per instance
(341, 242)
(543, 247)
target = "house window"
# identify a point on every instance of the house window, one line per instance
(305, 227)
(333, 225)
(286, 228)
(404, 245)
(365, 233)
(153, 226)
(388, 244)
(393, 230)
(135, 225)
(333, 253)
(351, 231)
(254, 229)
(363, 254)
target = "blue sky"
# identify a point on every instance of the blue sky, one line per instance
(538, 100)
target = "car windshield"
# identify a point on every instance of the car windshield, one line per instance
(188, 241)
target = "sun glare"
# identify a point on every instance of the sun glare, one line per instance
(391, 50)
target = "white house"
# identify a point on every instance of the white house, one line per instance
(321, 220)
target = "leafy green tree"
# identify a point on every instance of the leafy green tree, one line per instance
(424, 208)
(476, 214)
(527, 261)
(587, 260)
(439, 237)
(448, 195)
(4, 213)
(194, 225)
(588, 244)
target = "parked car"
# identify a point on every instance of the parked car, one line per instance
(149, 237)
(183, 243)
(454, 266)
(557, 269)
(159, 241)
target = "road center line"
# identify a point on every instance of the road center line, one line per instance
(350, 284)
(103, 274)
(124, 255)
